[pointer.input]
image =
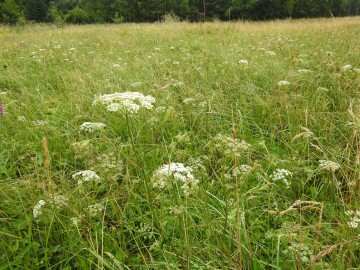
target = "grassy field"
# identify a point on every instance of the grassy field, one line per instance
(181, 146)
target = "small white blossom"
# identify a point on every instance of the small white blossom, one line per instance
(230, 146)
(95, 209)
(37, 208)
(245, 62)
(39, 123)
(282, 83)
(21, 118)
(162, 177)
(281, 175)
(85, 176)
(328, 165)
(354, 218)
(130, 102)
(91, 127)
(188, 100)
(346, 67)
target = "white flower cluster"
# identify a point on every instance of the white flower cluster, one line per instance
(109, 161)
(281, 175)
(92, 127)
(39, 123)
(163, 176)
(95, 209)
(328, 165)
(129, 102)
(85, 176)
(59, 201)
(188, 100)
(355, 218)
(301, 251)
(230, 146)
(146, 232)
(283, 83)
(346, 67)
(245, 62)
(241, 170)
(37, 208)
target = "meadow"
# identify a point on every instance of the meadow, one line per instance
(181, 146)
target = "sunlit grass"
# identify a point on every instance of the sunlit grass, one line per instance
(248, 158)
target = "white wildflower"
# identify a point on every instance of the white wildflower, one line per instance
(91, 127)
(301, 251)
(110, 162)
(241, 170)
(283, 83)
(281, 175)
(39, 123)
(230, 146)
(3, 93)
(354, 218)
(245, 62)
(188, 100)
(115, 65)
(85, 176)
(21, 118)
(163, 176)
(130, 102)
(75, 221)
(37, 208)
(95, 209)
(328, 165)
(59, 201)
(304, 70)
(346, 67)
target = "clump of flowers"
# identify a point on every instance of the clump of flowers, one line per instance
(85, 176)
(110, 162)
(92, 127)
(355, 218)
(328, 165)
(59, 201)
(95, 209)
(283, 83)
(127, 102)
(301, 251)
(230, 146)
(165, 176)
(244, 62)
(37, 208)
(39, 123)
(281, 175)
(346, 67)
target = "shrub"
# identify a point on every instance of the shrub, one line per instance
(77, 16)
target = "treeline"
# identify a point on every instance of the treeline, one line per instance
(117, 11)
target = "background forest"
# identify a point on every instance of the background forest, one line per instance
(117, 11)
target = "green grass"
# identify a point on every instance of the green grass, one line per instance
(230, 220)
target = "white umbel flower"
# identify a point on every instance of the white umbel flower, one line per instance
(163, 176)
(37, 208)
(281, 175)
(85, 176)
(92, 127)
(283, 83)
(129, 102)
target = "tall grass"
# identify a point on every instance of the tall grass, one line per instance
(230, 169)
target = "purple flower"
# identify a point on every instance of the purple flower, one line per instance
(2, 107)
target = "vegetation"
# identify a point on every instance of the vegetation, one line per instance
(85, 11)
(180, 146)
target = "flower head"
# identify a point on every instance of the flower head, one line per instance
(85, 176)
(92, 127)
(163, 176)
(37, 208)
(129, 102)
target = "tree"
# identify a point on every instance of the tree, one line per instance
(10, 12)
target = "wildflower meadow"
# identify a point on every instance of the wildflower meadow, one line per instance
(180, 145)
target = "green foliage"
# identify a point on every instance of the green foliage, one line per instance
(10, 12)
(77, 16)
